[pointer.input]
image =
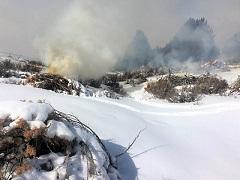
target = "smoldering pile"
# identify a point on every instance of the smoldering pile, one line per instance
(33, 73)
(106, 86)
(49, 144)
(27, 72)
(55, 83)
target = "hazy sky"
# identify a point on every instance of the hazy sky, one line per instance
(23, 21)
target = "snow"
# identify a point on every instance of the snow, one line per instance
(230, 75)
(26, 110)
(36, 124)
(180, 141)
(78, 88)
(59, 129)
(76, 167)
(12, 80)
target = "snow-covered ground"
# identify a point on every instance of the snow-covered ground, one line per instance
(230, 75)
(180, 141)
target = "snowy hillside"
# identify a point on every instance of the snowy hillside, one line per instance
(180, 141)
(100, 90)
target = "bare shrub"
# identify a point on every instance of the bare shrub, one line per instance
(182, 80)
(186, 94)
(207, 84)
(165, 88)
(141, 73)
(9, 66)
(162, 89)
(236, 86)
(190, 88)
(22, 168)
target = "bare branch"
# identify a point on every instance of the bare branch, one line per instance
(130, 145)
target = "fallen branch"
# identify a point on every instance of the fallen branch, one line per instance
(130, 145)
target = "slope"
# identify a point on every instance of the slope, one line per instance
(180, 141)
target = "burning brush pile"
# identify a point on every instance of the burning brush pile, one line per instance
(26, 72)
(55, 83)
(98, 88)
(39, 141)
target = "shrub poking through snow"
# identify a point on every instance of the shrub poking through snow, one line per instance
(163, 88)
(235, 88)
(11, 65)
(48, 144)
(185, 94)
(180, 89)
(207, 84)
(182, 80)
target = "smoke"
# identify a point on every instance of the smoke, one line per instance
(231, 49)
(138, 53)
(193, 43)
(74, 34)
(82, 43)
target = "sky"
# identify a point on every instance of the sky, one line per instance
(23, 22)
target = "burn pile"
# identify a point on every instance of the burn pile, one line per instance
(49, 144)
(25, 72)
(55, 83)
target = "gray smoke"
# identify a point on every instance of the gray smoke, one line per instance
(193, 43)
(231, 49)
(138, 53)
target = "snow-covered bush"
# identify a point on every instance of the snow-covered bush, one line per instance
(41, 142)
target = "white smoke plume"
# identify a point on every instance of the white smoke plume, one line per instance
(84, 42)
